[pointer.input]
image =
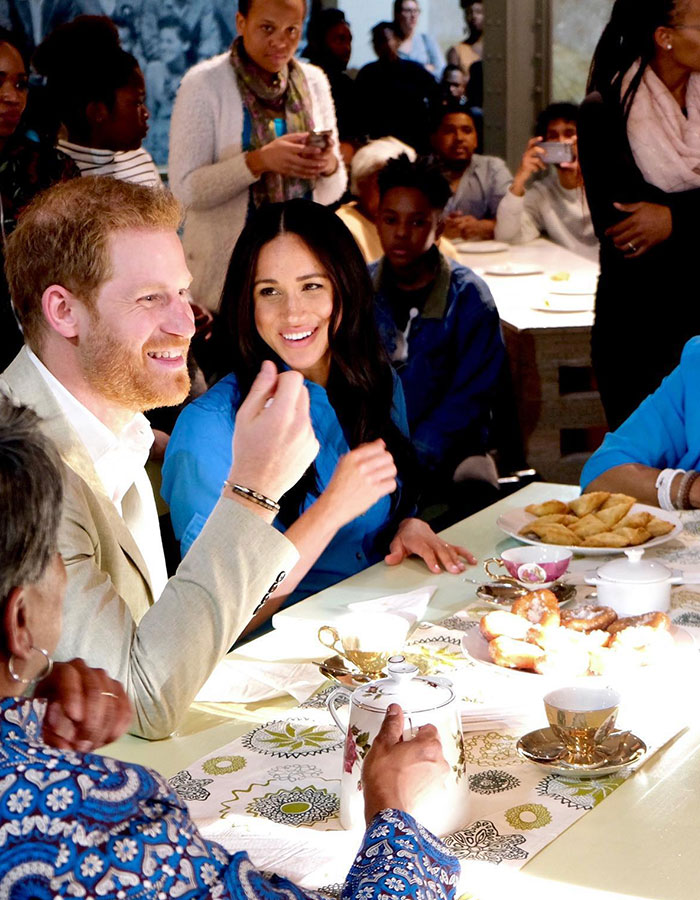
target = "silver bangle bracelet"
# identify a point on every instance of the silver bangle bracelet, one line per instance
(253, 496)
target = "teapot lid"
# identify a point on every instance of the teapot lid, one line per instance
(634, 569)
(403, 685)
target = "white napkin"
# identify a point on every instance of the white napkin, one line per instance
(248, 681)
(410, 606)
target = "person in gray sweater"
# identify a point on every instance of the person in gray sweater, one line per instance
(554, 205)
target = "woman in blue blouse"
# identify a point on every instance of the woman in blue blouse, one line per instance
(74, 824)
(297, 291)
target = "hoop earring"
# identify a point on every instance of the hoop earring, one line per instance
(45, 674)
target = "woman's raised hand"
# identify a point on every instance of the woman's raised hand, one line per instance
(290, 155)
(362, 476)
(414, 537)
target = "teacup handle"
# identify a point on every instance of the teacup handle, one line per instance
(334, 639)
(331, 704)
(496, 561)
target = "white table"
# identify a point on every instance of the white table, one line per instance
(558, 405)
(641, 842)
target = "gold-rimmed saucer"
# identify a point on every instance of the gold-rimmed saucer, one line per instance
(504, 592)
(618, 750)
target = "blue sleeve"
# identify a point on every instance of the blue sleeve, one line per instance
(465, 409)
(399, 416)
(401, 859)
(197, 462)
(656, 434)
(435, 57)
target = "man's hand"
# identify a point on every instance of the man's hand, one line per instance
(273, 441)
(530, 163)
(86, 708)
(416, 537)
(397, 773)
(469, 228)
(646, 225)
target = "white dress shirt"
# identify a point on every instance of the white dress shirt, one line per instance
(119, 461)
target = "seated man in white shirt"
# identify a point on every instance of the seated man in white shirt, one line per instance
(555, 205)
(99, 281)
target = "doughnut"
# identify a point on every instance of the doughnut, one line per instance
(657, 620)
(505, 651)
(500, 623)
(564, 662)
(538, 607)
(588, 617)
(642, 644)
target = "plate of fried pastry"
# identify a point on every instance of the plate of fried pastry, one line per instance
(593, 524)
(535, 636)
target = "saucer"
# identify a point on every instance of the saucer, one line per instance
(618, 750)
(506, 592)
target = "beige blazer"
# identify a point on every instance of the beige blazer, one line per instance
(161, 651)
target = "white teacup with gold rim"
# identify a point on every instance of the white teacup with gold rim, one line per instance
(367, 640)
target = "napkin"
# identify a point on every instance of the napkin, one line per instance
(248, 681)
(410, 606)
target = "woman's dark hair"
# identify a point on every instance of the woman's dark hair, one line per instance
(628, 37)
(83, 62)
(320, 24)
(567, 112)
(422, 175)
(17, 42)
(361, 383)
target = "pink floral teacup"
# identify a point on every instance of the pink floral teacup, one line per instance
(532, 567)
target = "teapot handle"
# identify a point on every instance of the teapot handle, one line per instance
(331, 704)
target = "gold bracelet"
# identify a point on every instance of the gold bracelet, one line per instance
(253, 496)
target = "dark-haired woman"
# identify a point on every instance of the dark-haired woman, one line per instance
(298, 292)
(99, 94)
(28, 164)
(416, 46)
(639, 146)
(238, 137)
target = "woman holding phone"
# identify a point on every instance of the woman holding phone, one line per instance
(639, 145)
(244, 133)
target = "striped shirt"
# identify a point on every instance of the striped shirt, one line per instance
(126, 165)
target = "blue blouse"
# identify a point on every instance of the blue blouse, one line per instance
(81, 825)
(198, 461)
(664, 431)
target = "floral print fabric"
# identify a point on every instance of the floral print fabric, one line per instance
(81, 825)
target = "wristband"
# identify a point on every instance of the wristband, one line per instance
(683, 497)
(663, 487)
(253, 496)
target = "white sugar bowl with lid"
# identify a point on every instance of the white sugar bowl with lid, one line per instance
(633, 585)
(425, 700)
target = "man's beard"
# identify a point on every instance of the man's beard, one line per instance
(120, 374)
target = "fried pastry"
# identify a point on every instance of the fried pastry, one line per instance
(657, 620)
(500, 623)
(538, 608)
(613, 514)
(658, 527)
(588, 526)
(553, 534)
(634, 535)
(588, 617)
(605, 539)
(635, 520)
(588, 503)
(616, 499)
(643, 644)
(505, 651)
(547, 508)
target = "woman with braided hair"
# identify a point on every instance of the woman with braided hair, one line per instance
(639, 146)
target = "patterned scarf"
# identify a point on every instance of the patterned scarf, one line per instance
(287, 97)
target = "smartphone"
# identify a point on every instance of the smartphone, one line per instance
(556, 152)
(320, 139)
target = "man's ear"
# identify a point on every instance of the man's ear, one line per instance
(61, 310)
(14, 620)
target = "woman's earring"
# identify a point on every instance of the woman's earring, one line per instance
(45, 674)
(669, 46)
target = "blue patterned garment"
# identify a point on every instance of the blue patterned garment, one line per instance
(81, 825)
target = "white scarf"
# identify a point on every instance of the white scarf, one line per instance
(665, 144)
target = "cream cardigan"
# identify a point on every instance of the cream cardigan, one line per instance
(208, 171)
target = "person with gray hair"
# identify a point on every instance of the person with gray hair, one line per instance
(360, 215)
(96, 824)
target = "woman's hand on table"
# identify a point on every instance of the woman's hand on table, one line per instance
(416, 538)
(396, 773)
(361, 478)
(289, 155)
(646, 225)
(86, 709)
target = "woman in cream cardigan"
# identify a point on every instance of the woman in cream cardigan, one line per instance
(238, 137)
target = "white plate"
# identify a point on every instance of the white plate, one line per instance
(575, 286)
(476, 647)
(555, 304)
(481, 246)
(512, 521)
(514, 268)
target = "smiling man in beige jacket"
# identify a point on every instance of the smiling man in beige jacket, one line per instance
(101, 288)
